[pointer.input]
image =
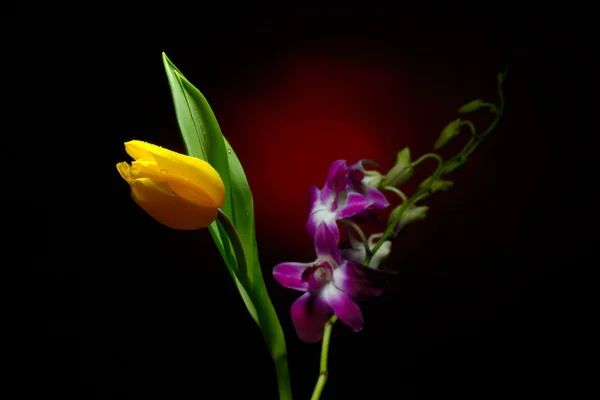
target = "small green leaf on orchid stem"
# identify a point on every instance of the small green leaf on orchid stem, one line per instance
(448, 133)
(401, 172)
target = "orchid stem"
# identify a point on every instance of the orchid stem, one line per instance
(360, 233)
(398, 192)
(323, 373)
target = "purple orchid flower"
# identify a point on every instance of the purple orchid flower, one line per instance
(331, 284)
(347, 193)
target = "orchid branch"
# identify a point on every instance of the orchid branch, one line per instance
(443, 166)
(323, 373)
(398, 192)
(360, 233)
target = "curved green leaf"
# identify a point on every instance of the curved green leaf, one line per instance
(203, 139)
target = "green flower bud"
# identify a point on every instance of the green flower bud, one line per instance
(501, 76)
(410, 215)
(372, 178)
(437, 185)
(472, 106)
(401, 172)
(448, 133)
(453, 165)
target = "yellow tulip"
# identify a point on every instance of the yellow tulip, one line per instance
(177, 190)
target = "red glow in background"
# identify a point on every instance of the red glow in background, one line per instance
(152, 312)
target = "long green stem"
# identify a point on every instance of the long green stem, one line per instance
(259, 291)
(323, 373)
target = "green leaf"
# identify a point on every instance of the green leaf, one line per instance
(243, 206)
(199, 128)
(203, 139)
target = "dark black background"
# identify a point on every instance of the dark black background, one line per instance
(480, 307)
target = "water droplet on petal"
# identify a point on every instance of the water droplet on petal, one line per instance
(164, 171)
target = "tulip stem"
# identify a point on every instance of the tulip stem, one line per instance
(238, 248)
(323, 373)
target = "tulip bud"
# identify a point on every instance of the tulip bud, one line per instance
(177, 190)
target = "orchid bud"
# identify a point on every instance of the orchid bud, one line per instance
(372, 178)
(454, 165)
(472, 106)
(401, 172)
(410, 215)
(448, 133)
(437, 185)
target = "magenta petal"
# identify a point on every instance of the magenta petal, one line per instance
(355, 204)
(289, 275)
(326, 242)
(309, 315)
(345, 309)
(358, 281)
(336, 177)
(313, 197)
(355, 177)
(378, 200)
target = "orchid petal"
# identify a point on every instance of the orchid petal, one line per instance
(309, 315)
(335, 176)
(358, 281)
(326, 243)
(289, 275)
(355, 204)
(378, 199)
(346, 310)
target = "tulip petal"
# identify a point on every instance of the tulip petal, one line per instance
(289, 275)
(309, 315)
(190, 177)
(138, 149)
(125, 171)
(147, 168)
(345, 309)
(158, 200)
(193, 179)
